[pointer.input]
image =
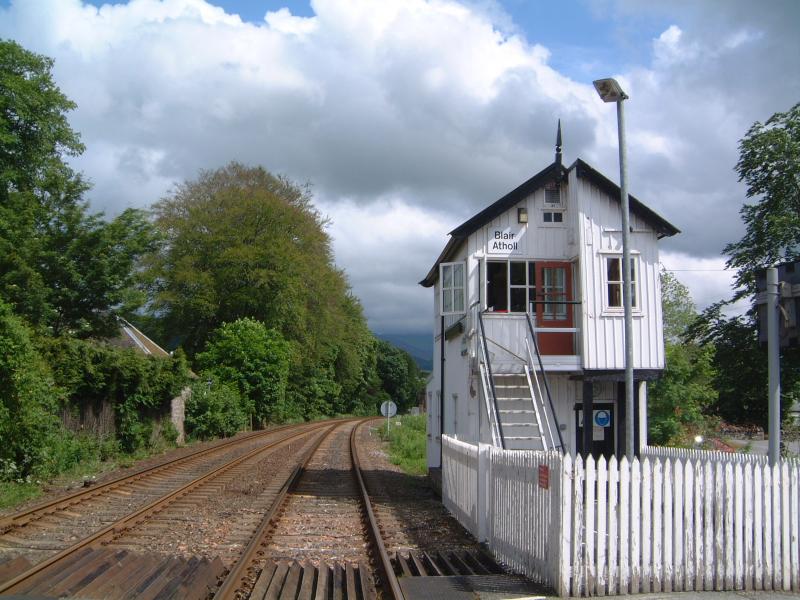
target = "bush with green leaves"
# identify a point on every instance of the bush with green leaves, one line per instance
(139, 387)
(28, 399)
(214, 409)
(253, 359)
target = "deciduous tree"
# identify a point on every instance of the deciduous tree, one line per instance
(679, 401)
(769, 163)
(61, 267)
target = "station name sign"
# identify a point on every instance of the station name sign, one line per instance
(505, 240)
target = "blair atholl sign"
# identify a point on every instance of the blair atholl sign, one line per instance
(505, 240)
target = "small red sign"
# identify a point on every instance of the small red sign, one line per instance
(544, 477)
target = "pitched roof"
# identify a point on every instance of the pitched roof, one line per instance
(554, 171)
(130, 337)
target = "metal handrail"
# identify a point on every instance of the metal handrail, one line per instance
(544, 378)
(530, 371)
(491, 379)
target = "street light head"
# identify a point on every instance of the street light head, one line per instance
(609, 90)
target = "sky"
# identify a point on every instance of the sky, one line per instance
(409, 116)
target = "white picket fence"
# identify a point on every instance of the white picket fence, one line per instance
(684, 454)
(460, 479)
(658, 525)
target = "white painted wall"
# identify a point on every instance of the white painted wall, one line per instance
(601, 236)
(591, 231)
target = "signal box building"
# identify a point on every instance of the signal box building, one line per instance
(528, 325)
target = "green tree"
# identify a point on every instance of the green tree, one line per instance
(400, 377)
(254, 360)
(34, 131)
(677, 307)
(240, 242)
(60, 267)
(679, 401)
(769, 163)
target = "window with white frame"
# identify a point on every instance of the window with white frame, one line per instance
(614, 282)
(452, 278)
(553, 217)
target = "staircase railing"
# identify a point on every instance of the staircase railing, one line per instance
(532, 332)
(545, 432)
(490, 394)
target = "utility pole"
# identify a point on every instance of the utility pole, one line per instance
(773, 365)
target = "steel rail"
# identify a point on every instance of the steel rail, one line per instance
(385, 562)
(233, 586)
(24, 517)
(125, 523)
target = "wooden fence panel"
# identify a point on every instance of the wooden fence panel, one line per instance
(624, 525)
(613, 527)
(636, 526)
(589, 528)
(677, 515)
(602, 515)
(647, 530)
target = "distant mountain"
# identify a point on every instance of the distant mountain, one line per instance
(419, 346)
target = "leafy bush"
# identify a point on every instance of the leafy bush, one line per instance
(214, 410)
(28, 399)
(253, 359)
(139, 387)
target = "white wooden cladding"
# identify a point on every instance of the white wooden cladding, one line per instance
(620, 527)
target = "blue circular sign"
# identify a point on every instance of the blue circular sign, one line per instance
(602, 418)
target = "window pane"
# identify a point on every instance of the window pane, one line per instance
(458, 300)
(614, 270)
(615, 294)
(497, 285)
(548, 217)
(633, 294)
(560, 309)
(558, 217)
(447, 276)
(517, 273)
(532, 274)
(458, 276)
(447, 301)
(518, 300)
(553, 279)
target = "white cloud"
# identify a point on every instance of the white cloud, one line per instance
(393, 245)
(707, 279)
(408, 116)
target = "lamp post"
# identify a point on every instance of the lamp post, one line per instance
(610, 91)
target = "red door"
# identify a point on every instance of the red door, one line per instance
(553, 289)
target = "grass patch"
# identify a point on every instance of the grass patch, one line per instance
(407, 442)
(73, 458)
(13, 493)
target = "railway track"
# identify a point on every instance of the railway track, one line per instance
(292, 517)
(75, 561)
(319, 539)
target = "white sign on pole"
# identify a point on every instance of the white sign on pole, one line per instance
(388, 410)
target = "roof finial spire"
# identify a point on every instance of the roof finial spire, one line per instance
(558, 144)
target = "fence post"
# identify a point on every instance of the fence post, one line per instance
(482, 491)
